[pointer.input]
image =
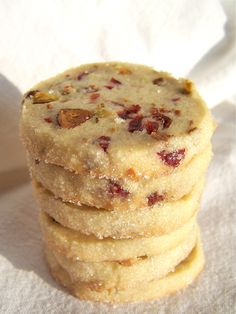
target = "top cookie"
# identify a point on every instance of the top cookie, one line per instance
(115, 119)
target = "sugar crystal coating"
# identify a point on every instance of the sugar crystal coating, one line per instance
(141, 110)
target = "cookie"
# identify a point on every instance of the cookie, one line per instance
(183, 275)
(123, 194)
(156, 220)
(124, 273)
(74, 245)
(114, 120)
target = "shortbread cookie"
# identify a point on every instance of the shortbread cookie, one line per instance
(184, 274)
(76, 246)
(123, 194)
(157, 220)
(125, 273)
(114, 120)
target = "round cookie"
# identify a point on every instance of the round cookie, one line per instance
(156, 220)
(76, 246)
(127, 273)
(123, 194)
(114, 120)
(184, 274)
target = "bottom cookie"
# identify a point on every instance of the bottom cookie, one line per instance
(184, 274)
(125, 273)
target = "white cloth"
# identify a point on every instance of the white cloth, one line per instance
(186, 37)
(42, 39)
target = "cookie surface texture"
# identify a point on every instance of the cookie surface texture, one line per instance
(123, 194)
(114, 119)
(156, 220)
(76, 246)
(184, 274)
(127, 273)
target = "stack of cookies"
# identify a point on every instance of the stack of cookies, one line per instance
(117, 154)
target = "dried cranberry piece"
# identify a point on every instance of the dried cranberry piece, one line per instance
(158, 81)
(134, 108)
(154, 198)
(166, 121)
(104, 142)
(172, 159)
(94, 97)
(115, 189)
(163, 119)
(151, 126)
(48, 120)
(109, 86)
(125, 114)
(115, 81)
(81, 75)
(136, 124)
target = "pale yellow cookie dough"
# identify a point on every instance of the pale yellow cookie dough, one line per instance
(156, 220)
(76, 246)
(184, 274)
(123, 194)
(125, 273)
(114, 120)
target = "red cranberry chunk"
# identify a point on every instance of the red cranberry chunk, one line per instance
(136, 124)
(164, 120)
(151, 126)
(154, 198)
(48, 120)
(126, 113)
(172, 159)
(123, 114)
(115, 189)
(108, 86)
(104, 142)
(94, 96)
(81, 75)
(134, 108)
(115, 81)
